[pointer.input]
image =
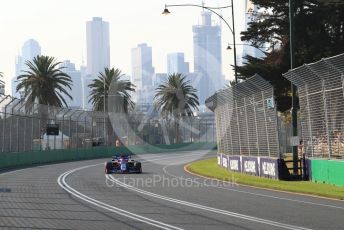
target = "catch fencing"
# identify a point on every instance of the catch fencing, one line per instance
(246, 119)
(23, 128)
(321, 95)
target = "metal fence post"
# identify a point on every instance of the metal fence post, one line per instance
(84, 138)
(237, 118)
(206, 131)
(18, 133)
(3, 128)
(40, 134)
(10, 146)
(266, 124)
(255, 121)
(199, 130)
(248, 134)
(32, 134)
(213, 124)
(309, 121)
(277, 128)
(326, 120)
(70, 132)
(24, 147)
(230, 132)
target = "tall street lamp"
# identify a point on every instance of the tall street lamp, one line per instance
(104, 108)
(212, 9)
(293, 87)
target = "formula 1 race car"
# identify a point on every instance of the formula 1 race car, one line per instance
(123, 164)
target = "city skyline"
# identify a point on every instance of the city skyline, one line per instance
(165, 34)
(30, 49)
(207, 57)
(98, 46)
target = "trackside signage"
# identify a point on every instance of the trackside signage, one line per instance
(224, 161)
(250, 165)
(258, 166)
(235, 163)
(269, 167)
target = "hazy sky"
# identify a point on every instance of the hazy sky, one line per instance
(60, 28)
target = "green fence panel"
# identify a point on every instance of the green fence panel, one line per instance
(336, 172)
(320, 172)
(328, 171)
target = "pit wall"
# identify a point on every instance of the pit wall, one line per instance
(20, 159)
(327, 171)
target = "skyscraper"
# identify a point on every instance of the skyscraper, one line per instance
(176, 64)
(142, 72)
(98, 46)
(76, 92)
(30, 49)
(207, 57)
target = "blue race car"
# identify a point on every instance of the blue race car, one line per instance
(123, 164)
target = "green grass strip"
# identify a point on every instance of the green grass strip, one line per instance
(209, 168)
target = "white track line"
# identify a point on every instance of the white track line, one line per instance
(62, 182)
(206, 208)
(250, 193)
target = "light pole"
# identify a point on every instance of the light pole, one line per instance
(293, 87)
(212, 9)
(104, 108)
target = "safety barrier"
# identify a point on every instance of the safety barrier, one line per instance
(254, 165)
(327, 171)
(246, 119)
(19, 159)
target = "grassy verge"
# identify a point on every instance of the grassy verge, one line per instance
(209, 168)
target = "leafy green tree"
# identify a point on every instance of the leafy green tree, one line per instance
(176, 98)
(109, 83)
(318, 33)
(44, 82)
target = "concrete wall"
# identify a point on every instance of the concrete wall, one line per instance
(18, 159)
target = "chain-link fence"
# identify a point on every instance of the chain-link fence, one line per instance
(141, 129)
(246, 119)
(321, 95)
(23, 128)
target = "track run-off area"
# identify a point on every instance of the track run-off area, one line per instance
(78, 195)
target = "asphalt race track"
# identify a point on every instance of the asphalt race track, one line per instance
(78, 195)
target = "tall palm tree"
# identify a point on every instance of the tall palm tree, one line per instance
(1, 76)
(109, 84)
(176, 98)
(2, 83)
(44, 82)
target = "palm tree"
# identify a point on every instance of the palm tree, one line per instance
(109, 84)
(2, 83)
(176, 98)
(1, 76)
(44, 82)
(117, 91)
